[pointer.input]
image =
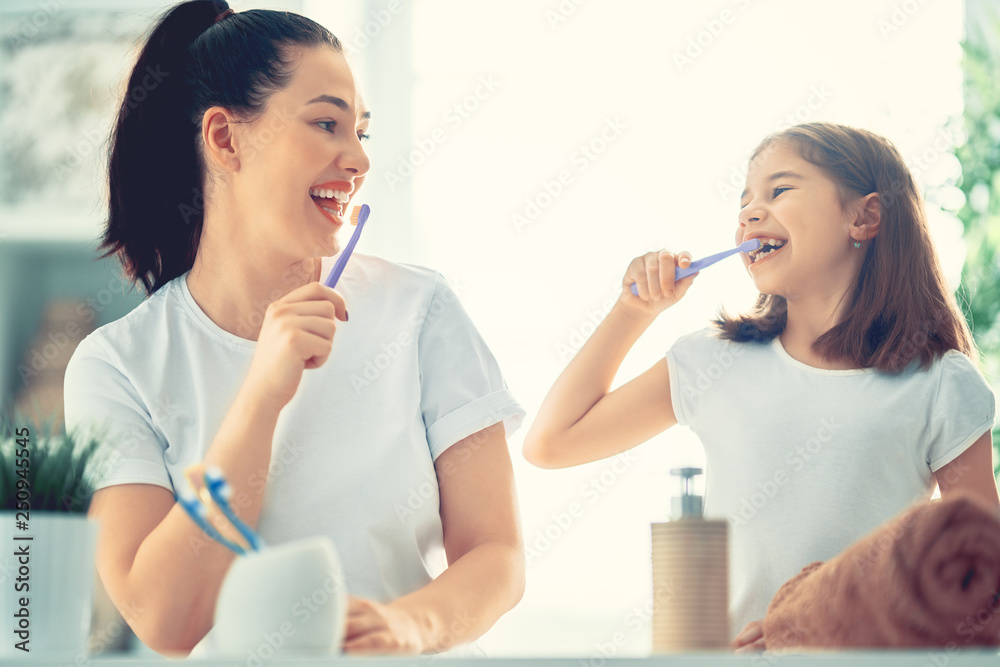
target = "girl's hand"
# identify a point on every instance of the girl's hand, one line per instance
(653, 274)
(297, 333)
(751, 640)
(378, 629)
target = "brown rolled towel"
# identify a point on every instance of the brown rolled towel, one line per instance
(928, 577)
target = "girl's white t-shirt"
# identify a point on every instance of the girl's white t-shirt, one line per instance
(353, 452)
(803, 461)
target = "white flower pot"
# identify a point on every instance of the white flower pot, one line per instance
(284, 599)
(46, 585)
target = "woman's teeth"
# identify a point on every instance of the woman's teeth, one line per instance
(326, 193)
(767, 247)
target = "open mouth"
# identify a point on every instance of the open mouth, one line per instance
(330, 202)
(768, 248)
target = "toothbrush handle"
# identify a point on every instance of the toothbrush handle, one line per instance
(696, 266)
(704, 262)
(338, 268)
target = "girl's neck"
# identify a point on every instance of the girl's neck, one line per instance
(807, 321)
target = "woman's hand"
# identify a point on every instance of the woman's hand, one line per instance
(751, 640)
(297, 333)
(380, 628)
(653, 274)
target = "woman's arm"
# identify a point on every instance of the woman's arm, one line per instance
(482, 539)
(971, 471)
(152, 557)
(161, 570)
(579, 421)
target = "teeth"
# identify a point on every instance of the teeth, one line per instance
(326, 193)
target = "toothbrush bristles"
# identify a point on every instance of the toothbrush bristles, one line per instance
(355, 213)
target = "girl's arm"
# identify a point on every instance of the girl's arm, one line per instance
(579, 421)
(972, 472)
(482, 539)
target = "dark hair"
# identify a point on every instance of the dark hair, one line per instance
(189, 63)
(900, 308)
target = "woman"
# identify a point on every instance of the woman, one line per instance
(390, 441)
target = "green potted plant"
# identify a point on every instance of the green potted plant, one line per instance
(46, 540)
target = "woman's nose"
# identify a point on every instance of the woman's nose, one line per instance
(354, 159)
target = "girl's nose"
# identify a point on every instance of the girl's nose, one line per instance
(751, 213)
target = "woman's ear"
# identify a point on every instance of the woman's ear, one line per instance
(217, 125)
(866, 225)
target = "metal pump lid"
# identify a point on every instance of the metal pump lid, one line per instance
(687, 505)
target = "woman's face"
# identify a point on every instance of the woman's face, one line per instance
(303, 160)
(793, 202)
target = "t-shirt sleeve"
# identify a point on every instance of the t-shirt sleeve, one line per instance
(101, 402)
(461, 388)
(685, 360)
(965, 409)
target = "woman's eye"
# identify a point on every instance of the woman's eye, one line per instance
(777, 191)
(327, 125)
(364, 136)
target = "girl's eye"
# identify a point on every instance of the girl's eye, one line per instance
(330, 123)
(777, 191)
(364, 136)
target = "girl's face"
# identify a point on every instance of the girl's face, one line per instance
(794, 203)
(302, 161)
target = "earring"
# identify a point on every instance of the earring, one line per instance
(857, 244)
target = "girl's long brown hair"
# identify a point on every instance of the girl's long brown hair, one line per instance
(900, 308)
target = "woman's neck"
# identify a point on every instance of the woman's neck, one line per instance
(234, 285)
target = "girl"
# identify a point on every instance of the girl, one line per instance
(848, 391)
(230, 177)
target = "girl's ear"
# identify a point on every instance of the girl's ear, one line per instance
(866, 225)
(217, 126)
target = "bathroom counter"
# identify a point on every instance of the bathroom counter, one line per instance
(967, 658)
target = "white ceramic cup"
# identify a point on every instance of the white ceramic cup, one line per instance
(289, 598)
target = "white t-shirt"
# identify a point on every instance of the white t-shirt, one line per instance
(353, 452)
(803, 461)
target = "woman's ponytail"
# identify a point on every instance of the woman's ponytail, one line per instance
(198, 55)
